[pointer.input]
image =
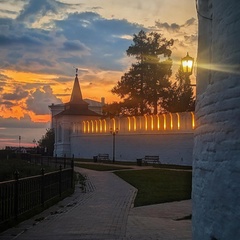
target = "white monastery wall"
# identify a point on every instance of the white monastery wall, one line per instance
(216, 163)
(137, 124)
(170, 136)
(172, 148)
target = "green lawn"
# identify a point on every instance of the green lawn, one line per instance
(158, 186)
(9, 166)
(99, 167)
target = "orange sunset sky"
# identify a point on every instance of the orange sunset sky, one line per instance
(42, 42)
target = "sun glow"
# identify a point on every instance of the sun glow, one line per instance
(225, 68)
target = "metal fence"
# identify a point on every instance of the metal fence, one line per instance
(49, 161)
(22, 195)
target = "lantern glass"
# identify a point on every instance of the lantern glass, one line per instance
(187, 64)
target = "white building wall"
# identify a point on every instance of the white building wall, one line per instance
(172, 148)
(216, 164)
(67, 125)
(170, 136)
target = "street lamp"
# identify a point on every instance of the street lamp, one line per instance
(187, 66)
(114, 132)
(19, 141)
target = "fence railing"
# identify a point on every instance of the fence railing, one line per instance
(49, 161)
(22, 195)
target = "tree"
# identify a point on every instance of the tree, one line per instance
(179, 96)
(143, 86)
(47, 141)
(111, 110)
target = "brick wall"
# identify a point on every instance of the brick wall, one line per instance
(216, 163)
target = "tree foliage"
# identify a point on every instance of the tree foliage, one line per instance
(179, 97)
(47, 141)
(146, 87)
(146, 82)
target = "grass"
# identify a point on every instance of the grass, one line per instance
(99, 167)
(9, 166)
(154, 185)
(158, 186)
(172, 166)
(133, 163)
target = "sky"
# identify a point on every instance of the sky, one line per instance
(43, 42)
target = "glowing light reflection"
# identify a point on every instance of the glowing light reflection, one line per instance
(193, 120)
(178, 121)
(164, 122)
(129, 124)
(134, 123)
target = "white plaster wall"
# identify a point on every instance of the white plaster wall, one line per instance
(216, 163)
(172, 148)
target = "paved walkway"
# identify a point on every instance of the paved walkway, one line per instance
(105, 211)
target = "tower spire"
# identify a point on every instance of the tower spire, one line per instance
(76, 96)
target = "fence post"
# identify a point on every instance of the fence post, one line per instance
(60, 180)
(64, 166)
(55, 160)
(42, 187)
(72, 166)
(16, 194)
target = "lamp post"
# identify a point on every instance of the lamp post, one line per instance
(114, 132)
(19, 141)
(187, 66)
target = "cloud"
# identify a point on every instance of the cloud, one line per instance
(24, 122)
(191, 21)
(40, 99)
(74, 45)
(184, 35)
(36, 9)
(191, 38)
(19, 40)
(174, 27)
(7, 104)
(19, 94)
(16, 34)
(101, 36)
(3, 80)
(64, 79)
(80, 39)
(8, 11)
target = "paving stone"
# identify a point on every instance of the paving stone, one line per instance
(104, 211)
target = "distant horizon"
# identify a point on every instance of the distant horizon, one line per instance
(26, 139)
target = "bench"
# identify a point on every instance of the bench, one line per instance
(103, 157)
(151, 159)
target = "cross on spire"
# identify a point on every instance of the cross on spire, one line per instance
(76, 96)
